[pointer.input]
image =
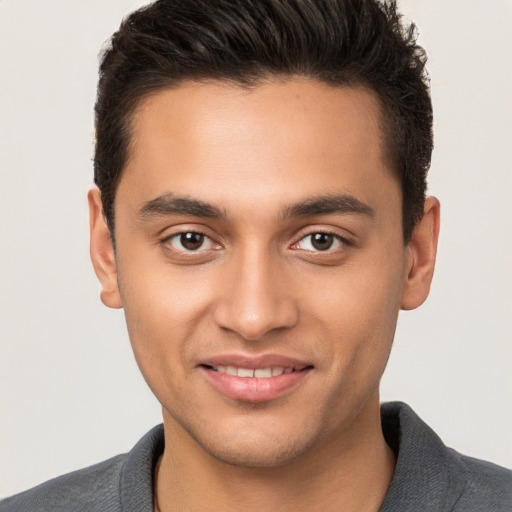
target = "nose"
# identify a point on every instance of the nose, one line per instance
(255, 298)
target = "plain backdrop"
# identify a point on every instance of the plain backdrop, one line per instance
(71, 394)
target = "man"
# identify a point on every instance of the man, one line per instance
(261, 218)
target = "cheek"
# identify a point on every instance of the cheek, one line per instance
(163, 310)
(358, 309)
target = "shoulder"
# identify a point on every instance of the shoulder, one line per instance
(95, 488)
(431, 476)
(485, 486)
(122, 483)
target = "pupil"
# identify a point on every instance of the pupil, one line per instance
(192, 241)
(322, 241)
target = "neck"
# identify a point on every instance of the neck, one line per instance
(351, 472)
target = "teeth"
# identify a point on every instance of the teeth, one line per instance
(260, 373)
(263, 373)
(245, 372)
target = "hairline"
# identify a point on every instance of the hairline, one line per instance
(249, 83)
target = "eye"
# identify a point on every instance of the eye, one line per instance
(191, 241)
(319, 242)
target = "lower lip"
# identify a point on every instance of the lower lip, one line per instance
(254, 389)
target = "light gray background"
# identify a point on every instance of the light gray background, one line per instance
(71, 394)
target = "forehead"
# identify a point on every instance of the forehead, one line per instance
(277, 138)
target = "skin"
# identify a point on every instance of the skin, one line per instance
(257, 285)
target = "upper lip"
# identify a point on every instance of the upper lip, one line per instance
(255, 362)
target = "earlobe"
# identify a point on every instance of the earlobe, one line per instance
(102, 252)
(421, 256)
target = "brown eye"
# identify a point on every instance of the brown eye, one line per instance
(322, 241)
(191, 241)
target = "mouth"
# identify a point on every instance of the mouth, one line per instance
(258, 380)
(258, 373)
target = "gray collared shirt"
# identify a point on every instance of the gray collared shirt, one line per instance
(428, 477)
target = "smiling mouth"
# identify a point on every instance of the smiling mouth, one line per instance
(255, 379)
(258, 373)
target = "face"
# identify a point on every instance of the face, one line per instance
(260, 264)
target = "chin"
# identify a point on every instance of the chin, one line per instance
(256, 456)
(251, 436)
(256, 449)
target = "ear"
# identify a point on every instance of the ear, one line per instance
(421, 256)
(102, 252)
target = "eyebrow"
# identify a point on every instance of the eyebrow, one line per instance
(325, 205)
(170, 204)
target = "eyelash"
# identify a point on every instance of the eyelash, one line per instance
(166, 242)
(342, 241)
